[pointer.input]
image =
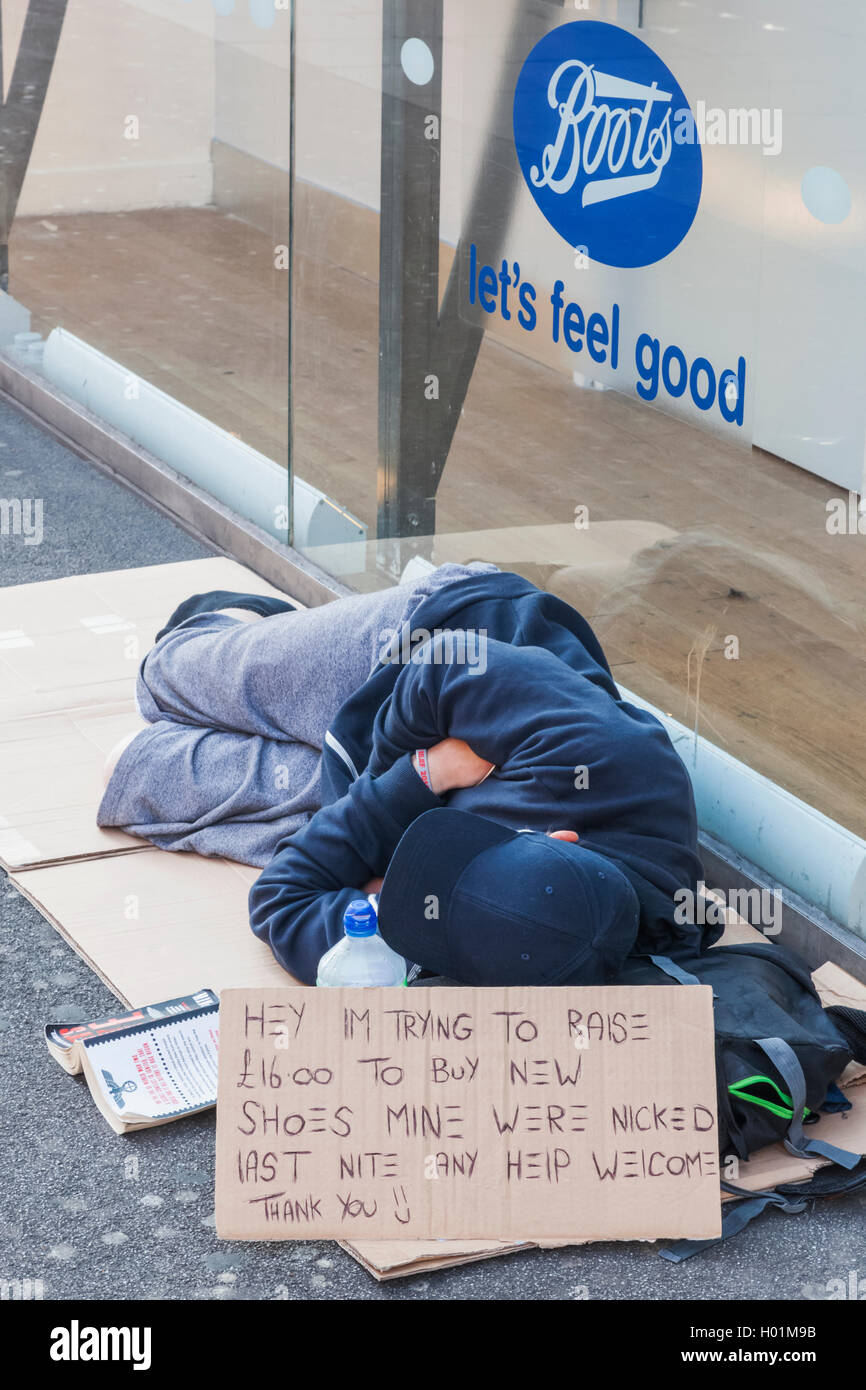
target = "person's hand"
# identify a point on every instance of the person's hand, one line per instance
(452, 764)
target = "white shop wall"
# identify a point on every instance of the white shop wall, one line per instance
(148, 59)
(189, 72)
(809, 357)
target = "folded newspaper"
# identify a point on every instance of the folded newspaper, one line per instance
(149, 1066)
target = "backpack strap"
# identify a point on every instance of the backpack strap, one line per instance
(787, 1064)
(827, 1182)
(734, 1218)
(676, 972)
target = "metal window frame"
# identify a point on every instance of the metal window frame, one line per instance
(814, 936)
(418, 337)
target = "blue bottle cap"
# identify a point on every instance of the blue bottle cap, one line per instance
(359, 919)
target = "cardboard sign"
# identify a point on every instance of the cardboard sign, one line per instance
(496, 1114)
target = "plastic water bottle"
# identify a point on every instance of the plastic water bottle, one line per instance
(362, 957)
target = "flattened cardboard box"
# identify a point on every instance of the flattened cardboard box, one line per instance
(153, 924)
(398, 1259)
(69, 652)
(491, 1114)
(86, 706)
(76, 642)
(192, 910)
(52, 785)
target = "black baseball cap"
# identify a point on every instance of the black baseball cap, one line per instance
(485, 905)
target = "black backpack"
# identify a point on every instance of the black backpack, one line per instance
(779, 1054)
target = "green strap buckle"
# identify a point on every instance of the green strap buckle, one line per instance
(783, 1108)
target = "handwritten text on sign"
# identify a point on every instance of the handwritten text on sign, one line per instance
(482, 1113)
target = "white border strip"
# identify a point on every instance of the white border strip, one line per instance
(233, 472)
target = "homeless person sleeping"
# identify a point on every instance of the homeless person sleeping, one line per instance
(458, 744)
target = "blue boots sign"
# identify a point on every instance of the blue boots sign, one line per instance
(596, 120)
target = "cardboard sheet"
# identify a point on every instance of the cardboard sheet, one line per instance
(398, 1259)
(187, 905)
(69, 700)
(52, 781)
(69, 651)
(74, 643)
(155, 925)
(485, 1113)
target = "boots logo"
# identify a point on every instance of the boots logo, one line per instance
(596, 114)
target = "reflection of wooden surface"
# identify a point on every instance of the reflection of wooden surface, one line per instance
(187, 298)
(602, 552)
(190, 299)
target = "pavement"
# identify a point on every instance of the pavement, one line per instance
(100, 1216)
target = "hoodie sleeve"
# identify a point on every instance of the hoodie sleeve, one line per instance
(506, 703)
(542, 723)
(297, 903)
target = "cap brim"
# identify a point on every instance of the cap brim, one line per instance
(425, 868)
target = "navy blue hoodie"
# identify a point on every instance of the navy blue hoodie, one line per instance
(537, 699)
